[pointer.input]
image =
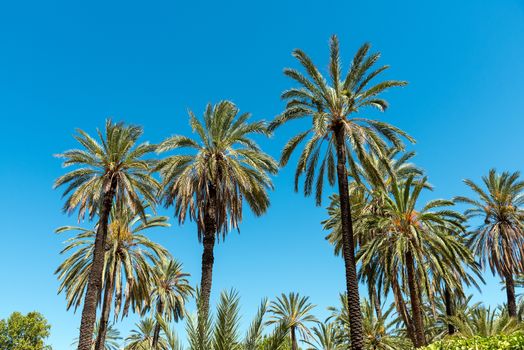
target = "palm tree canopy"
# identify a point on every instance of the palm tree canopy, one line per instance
(115, 158)
(129, 257)
(428, 234)
(332, 105)
(141, 338)
(170, 289)
(499, 240)
(225, 161)
(294, 310)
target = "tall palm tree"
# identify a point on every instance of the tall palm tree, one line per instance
(113, 168)
(373, 178)
(170, 290)
(499, 240)
(413, 246)
(129, 255)
(295, 310)
(210, 184)
(336, 129)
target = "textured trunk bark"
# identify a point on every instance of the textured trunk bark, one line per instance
(106, 309)
(348, 246)
(94, 284)
(510, 293)
(449, 309)
(208, 258)
(402, 310)
(416, 307)
(294, 344)
(156, 332)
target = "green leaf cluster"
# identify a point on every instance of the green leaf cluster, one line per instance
(499, 342)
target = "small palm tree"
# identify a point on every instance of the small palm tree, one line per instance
(112, 338)
(485, 322)
(210, 184)
(222, 331)
(499, 241)
(113, 168)
(129, 255)
(141, 338)
(335, 129)
(170, 289)
(325, 337)
(294, 310)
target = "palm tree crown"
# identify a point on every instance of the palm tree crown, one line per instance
(499, 240)
(333, 106)
(295, 311)
(115, 159)
(227, 163)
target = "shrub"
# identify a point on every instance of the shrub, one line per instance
(499, 342)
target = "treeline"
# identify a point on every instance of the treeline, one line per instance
(422, 255)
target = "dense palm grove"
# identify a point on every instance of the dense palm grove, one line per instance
(416, 259)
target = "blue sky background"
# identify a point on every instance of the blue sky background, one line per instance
(68, 64)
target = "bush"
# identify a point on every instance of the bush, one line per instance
(499, 342)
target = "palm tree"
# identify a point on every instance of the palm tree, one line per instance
(210, 184)
(485, 322)
(414, 244)
(334, 124)
(373, 178)
(113, 168)
(170, 290)
(141, 338)
(221, 332)
(129, 255)
(325, 337)
(380, 332)
(499, 241)
(294, 310)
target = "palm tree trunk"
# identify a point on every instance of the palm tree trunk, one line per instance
(375, 299)
(94, 285)
(449, 309)
(510, 292)
(348, 245)
(416, 307)
(156, 332)
(402, 309)
(294, 345)
(106, 308)
(208, 258)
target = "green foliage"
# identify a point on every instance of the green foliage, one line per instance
(500, 342)
(20, 332)
(222, 166)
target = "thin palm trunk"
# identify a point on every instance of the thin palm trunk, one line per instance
(106, 308)
(294, 345)
(402, 310)
(375, 297)
(348, 246)
(416, 307)
(449, 309)
(156, 332)
(94, 285)
(510, 293)
(208, 258)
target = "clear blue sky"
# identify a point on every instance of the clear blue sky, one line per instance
(68, 64)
